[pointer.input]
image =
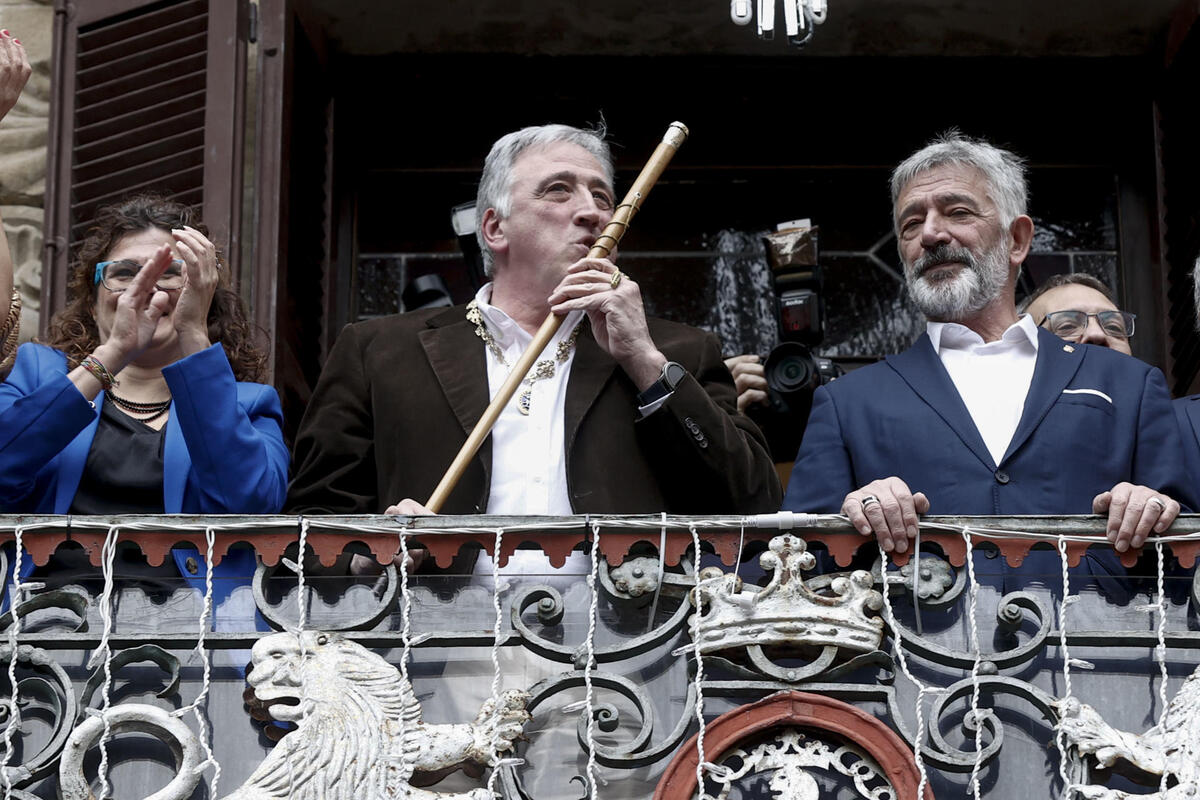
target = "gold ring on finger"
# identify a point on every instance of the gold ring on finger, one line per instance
(616, 279)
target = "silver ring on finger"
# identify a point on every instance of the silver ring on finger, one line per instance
(1158, 501)
(868, 501)
(616, 279)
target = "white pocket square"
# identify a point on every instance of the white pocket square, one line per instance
(1096, 392)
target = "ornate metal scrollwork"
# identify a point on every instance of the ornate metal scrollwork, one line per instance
(549, 605)
(633, 753)
(790, 755)
(1009, 616)
(271, 613)
(140, 718)
(47, 683)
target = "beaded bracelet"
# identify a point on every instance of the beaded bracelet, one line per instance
(99, 372)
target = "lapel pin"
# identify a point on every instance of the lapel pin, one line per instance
(1068, 348)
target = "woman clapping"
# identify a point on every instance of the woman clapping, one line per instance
(144, 400)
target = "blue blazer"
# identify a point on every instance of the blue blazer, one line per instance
(1093, 418)
(1187, 413)
(223, 452)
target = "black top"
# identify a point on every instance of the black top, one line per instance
(124, 470)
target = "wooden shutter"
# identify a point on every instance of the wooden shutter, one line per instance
(148, 96)
(296, 298)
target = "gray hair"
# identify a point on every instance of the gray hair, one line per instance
(1196, 290)
(1004, 171)
(495, 185)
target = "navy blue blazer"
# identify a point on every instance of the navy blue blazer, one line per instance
(1093, 418)
(1187, 413)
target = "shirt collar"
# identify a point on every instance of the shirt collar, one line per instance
(505, 330)
(953, 336)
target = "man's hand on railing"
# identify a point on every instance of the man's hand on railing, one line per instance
(888, 509)
(408, 508)
(1133, 511)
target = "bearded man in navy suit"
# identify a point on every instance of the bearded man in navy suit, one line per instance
(986, 413)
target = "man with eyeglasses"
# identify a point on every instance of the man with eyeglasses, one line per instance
(1079, 308)
(986, 413)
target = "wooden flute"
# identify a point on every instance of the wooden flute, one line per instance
(609, 238)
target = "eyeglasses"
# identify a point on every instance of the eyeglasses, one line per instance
(1072, 324)
(118, 275)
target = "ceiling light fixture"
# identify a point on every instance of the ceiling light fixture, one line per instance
(800, 17)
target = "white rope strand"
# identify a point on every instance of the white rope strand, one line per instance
(405, 647)
(1160, 653)
(593, 611)
(206, 615)
(975, 647)
(497, 625)
(302, 612)
(301, 600)
(902, 659)
(14, 713)
(698, 682)
(108, 558)
(1061, 738)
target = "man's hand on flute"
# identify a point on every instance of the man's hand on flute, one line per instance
(613, 303)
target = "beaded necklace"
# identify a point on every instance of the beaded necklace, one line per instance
(543, 369)
(155, 410)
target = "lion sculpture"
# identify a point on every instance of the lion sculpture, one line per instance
(1172, 747)
(359, 733)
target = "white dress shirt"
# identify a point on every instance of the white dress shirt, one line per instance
(993, 378)
(529, 471)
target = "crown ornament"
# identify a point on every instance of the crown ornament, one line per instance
(786, 613)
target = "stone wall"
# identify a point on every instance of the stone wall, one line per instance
(23, 136)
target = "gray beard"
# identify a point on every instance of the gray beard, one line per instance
(978, 283)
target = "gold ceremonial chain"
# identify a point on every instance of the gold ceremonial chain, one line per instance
(541, 370)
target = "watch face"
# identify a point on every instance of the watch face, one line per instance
(673, 373)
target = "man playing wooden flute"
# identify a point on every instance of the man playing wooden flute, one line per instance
(621, 414)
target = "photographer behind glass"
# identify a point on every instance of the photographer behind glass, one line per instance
(778, 393)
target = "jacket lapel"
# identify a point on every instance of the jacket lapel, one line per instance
(1057, 363)
(1191, 410)
(590, 371)
(457, 357)
(920, 367)
(72, 461)
(176, 464)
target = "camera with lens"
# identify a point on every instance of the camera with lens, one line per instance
(793, 370)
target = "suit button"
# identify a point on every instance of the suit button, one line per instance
(1001, 477)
